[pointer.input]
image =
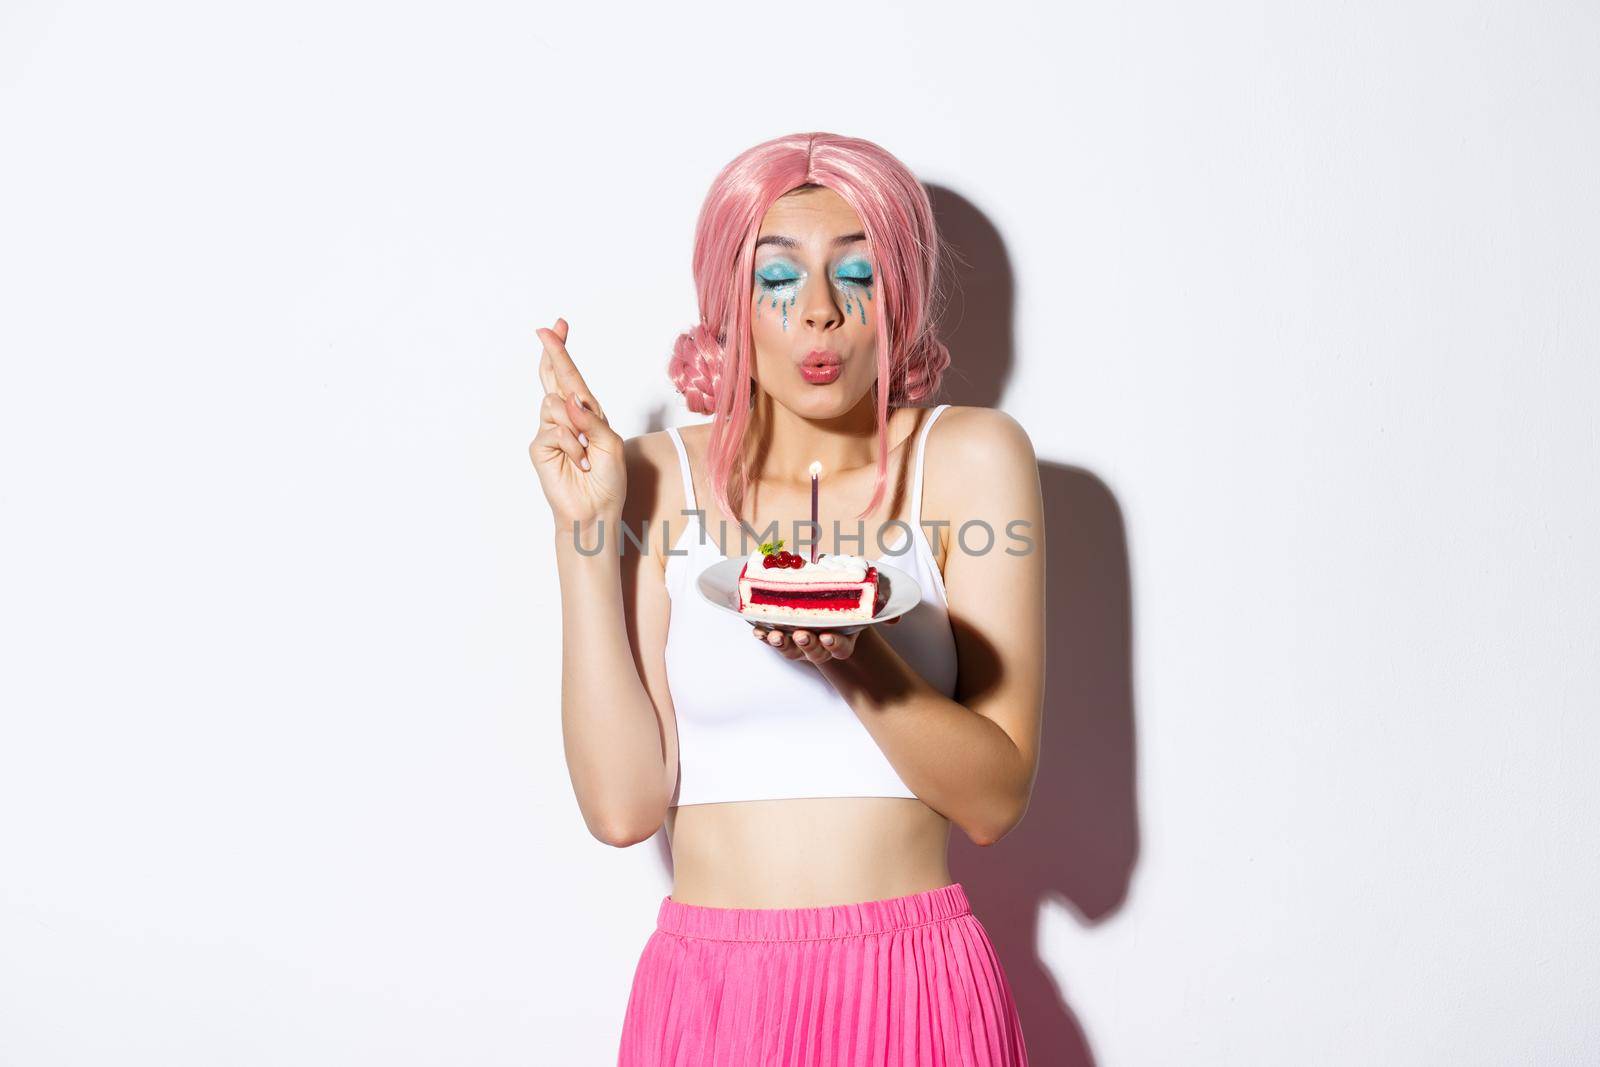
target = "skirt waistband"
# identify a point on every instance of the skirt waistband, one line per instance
(813, 924)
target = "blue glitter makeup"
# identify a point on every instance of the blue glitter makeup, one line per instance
(856, 270)
(781, 282)
(778, 275)
(856, 274)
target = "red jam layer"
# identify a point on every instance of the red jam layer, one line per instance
(826, 596)
(837, 600)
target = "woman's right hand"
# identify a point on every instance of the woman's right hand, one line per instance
(576, 453)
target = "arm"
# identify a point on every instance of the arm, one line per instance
(972, 759)
(618, 731)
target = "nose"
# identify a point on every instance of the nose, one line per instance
(819, 304)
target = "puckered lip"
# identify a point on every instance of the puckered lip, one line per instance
(821, 357)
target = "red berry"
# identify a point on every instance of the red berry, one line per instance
(767, 562)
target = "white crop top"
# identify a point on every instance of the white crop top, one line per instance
(753, 725)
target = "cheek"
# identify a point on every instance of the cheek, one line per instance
(768, 333)
(860, 309)
(772, 309)
(857, 304)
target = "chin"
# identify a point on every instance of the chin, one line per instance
(827, 402)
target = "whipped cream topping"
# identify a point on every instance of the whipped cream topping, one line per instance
(826, 569)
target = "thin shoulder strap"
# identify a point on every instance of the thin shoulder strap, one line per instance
(916, 484)
(683, 467)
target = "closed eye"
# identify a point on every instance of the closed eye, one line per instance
(857, 271)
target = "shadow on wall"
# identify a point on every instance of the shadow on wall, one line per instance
(1079, 841)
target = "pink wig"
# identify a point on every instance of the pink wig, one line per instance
(716, 377)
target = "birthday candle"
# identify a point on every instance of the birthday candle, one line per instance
(816, 530)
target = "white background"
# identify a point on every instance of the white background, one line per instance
(1296, 300)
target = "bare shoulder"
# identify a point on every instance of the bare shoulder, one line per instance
(651, 450)
(969, 442)
(978, 463)
(655, 490)
(650, 456)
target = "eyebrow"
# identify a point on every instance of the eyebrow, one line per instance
(790, 242)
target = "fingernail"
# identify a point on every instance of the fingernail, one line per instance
(802, 639)
(583, 439)
(827, 639)
(584, 462)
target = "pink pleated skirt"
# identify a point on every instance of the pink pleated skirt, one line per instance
(910, 981)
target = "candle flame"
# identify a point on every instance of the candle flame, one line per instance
(816, 468)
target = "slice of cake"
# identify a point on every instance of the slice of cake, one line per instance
(787, 586)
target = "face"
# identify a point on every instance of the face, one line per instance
(814, 322)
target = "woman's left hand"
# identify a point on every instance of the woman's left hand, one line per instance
(817, 646)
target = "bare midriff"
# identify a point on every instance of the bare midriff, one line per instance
(806, 853)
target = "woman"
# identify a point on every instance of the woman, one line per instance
(808, 787)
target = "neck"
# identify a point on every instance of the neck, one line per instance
(782, 445)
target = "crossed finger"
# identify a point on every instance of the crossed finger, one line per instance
(559, 373)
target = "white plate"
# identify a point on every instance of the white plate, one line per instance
(719, 584)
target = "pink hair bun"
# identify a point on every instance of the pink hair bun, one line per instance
(695, 366)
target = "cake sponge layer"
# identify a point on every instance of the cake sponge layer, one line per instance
(829, 600)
